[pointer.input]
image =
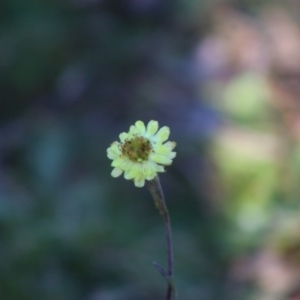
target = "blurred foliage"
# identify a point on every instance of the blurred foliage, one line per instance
(76, 73)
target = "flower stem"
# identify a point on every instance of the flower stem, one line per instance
(156, 191)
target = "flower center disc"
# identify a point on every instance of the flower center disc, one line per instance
(137, 149)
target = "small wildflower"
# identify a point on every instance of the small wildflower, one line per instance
(142, 152)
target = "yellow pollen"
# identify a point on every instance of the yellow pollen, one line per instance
(137, 149)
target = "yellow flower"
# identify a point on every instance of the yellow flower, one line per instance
(142, 152)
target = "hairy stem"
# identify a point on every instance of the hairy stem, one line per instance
(159, 200)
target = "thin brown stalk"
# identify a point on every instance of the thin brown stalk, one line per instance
(159, 200)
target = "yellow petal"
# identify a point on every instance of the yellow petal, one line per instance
(128, 175)
(162, 149)
(116, 172)
(159, 168)
(172, 155)
(152, 128)
(170, 145)
(130, 172)
(148, 170)
(160, 159)
(111, 154)
(123, 136)
(117, 162)
(133, 130)
(113, 151)
(150, 175)
(139, 182)
(140, 127)
(126, 165)
(163, 134)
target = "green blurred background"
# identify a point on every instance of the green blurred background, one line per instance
(223, 75)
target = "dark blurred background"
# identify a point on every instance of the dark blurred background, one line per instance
(223, 75)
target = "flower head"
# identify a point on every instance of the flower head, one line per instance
(142, 152)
